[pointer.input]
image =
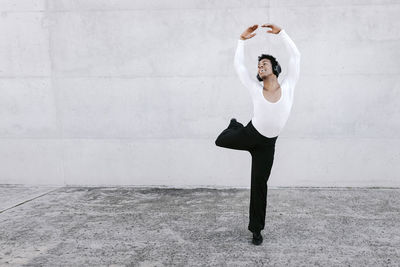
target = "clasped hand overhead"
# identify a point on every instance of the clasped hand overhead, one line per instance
(248, 33)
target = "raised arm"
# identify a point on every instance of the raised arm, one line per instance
(239, 62)
(293, 70)
(241, 69)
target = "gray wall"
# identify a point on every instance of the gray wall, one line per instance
(135, 92)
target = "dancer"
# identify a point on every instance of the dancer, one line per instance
(272, 103)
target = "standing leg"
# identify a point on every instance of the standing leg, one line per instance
(236, 136)
(262, 161)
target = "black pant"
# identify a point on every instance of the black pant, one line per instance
(262, 150)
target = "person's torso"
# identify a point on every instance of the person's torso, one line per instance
(270, 117)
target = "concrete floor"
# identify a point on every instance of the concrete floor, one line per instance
(128, 226)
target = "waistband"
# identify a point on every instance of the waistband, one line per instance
(261, 137)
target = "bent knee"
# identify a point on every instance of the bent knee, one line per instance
(220, 142)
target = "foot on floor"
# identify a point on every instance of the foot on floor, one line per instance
(257, 238)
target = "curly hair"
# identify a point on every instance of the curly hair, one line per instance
(276, 68)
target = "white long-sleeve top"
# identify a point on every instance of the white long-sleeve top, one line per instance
(269, 118)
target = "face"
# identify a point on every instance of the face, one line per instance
(264, 68)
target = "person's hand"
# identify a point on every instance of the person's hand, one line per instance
(274, 29)
(247, 34)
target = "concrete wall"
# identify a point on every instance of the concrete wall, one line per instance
(135, 92)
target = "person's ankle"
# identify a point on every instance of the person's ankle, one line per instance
(257, 233)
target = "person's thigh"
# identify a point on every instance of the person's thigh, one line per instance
(237, 137)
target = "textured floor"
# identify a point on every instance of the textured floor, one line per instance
(127, 226)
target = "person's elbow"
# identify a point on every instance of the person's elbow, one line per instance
(238, 66)
(294, 61)
(297, 54)
(237, 63)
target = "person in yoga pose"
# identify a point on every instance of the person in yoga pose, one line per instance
(272, 103)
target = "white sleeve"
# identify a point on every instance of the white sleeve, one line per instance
(293, 70)
(250, 83)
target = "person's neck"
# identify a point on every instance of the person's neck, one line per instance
(271, 83)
